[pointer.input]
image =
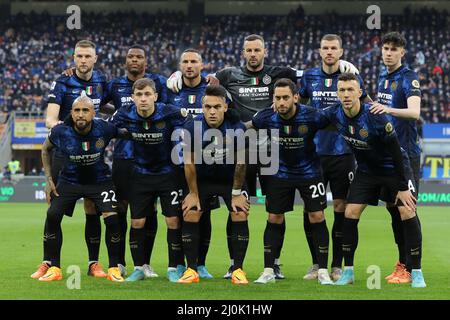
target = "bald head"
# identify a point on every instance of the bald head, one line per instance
(83, 112)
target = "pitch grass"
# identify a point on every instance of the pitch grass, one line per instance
(21, 250)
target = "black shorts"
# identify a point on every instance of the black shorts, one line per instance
(57, 165)
(252, 172)
(103, 195)
(368, 188)
(415, 170)
(122, 169)
(280, 196)
(339, 172)
(210, 191)
(145, 189)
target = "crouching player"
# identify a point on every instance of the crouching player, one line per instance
(299, 169)
(383, 169)
(82, 140)
(215, 168)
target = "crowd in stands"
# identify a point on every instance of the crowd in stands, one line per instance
(35, 48)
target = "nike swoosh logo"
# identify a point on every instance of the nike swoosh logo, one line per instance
(113, 207)
(415, 249)
(45, 277)
(117, 278)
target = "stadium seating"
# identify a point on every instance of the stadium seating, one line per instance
(34, 49)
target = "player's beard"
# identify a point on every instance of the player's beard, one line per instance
(284, 111)
(192, 75)
(330, 64)
(84, 70)
(83, 126)
(254, 65)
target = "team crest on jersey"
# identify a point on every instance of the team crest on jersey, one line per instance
(267, 79)
(85, 145)
(302, 129)
(146, 125)
(100, 143)
(415, 84)
(363, 133)
(351, 129)
(393, 85)
(184, 112)
(160, 125)
(389, 127)
(191, 98)
(328, 82)
(89, 90)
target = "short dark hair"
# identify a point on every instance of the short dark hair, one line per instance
(193, 51)
(285, 82)
(138, 46)
(254, 37)
(331, 37)
(394, 37)
(142, 83)
(348, 77)
(216, 91)
(85, 44)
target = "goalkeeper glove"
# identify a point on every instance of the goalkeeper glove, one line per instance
(347, 67)
(175, 81)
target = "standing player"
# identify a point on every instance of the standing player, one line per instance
(151, 125)
(119, 92)
(251, 89)
(190, 98)
(81, 141)
(382, 164)
(62, 94)
(299, 169)
(215, 169)
(319, 86)
(399, 97)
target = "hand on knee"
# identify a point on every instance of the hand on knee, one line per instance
(406, 214)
